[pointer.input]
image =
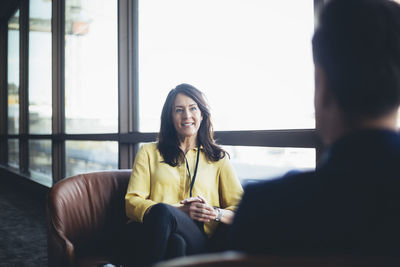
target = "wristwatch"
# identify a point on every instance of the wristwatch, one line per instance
(219, 215)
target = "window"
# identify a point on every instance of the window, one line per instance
(87, 156)
(13, 153)
(75, 109)
(40, 70)
(13, 89)
(254, 66)
(252, 59)
(398, 119)
(91, 83)
(40, 167)
(269, 162)
(91, 66)
(13, 74)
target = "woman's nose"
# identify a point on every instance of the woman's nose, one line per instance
(186, 114)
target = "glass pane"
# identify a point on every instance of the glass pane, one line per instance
(40, 67)
(88, 156)
(398, 117)
(269, 162)
(13, 74)
(252, 59)
(13, 152)
(91, 66)
(40, 167)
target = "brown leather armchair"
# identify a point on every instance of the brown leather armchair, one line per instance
(84, 216)
(237, 259)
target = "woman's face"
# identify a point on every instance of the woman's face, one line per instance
(186, 116)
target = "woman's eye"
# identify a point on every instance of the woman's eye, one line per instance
(193, 108)
(178, 110)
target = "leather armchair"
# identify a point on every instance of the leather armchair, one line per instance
(237, 259)
(84, 216)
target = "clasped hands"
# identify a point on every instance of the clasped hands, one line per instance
(198, 209)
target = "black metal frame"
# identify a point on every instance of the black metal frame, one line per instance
(3, 91)
(128, 136)
(128, 90)
(4, 137)
(58, 90)
(23, 86)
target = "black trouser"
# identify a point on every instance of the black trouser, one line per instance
(166, 232)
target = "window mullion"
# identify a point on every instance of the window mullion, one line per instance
(128, 78)
(58, 88)
(3, 92)
(23, 90)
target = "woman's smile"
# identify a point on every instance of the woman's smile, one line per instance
(186, 116)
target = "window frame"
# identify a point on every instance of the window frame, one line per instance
(128, 135)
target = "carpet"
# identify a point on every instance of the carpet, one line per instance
(22, 228)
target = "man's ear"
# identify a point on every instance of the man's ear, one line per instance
(326, 97)
(326, 109)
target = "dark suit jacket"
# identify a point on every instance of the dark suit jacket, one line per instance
(350, 203)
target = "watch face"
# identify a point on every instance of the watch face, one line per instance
(219, 215)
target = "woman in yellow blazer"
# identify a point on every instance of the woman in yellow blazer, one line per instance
(182, 186)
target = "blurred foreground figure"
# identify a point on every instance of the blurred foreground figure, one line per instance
(351, 202)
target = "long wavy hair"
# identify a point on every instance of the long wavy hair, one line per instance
(168, 142)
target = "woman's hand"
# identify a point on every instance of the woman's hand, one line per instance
(198, 209)
(192, 199)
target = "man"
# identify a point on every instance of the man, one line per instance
(351, 202)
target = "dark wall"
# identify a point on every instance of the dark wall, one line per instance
(6, 8)
(14, 182)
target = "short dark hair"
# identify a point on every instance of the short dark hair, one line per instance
(168, 143)
(357, 44)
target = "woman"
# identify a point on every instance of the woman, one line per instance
(182, 186)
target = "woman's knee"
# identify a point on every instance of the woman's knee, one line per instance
(159, 212)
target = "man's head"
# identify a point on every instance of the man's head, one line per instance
(356, 50)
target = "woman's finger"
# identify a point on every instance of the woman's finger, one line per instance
(201, 217)
(202, 199)
(190, 200)
(203, 206)
(203, 213)
(199, 207)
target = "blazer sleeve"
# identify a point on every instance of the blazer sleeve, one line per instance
(241, 229)
(261, 220)
(136, 198)
(230, 189)
(279, 215)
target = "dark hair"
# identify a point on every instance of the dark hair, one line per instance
(168, 143)
(357, 44)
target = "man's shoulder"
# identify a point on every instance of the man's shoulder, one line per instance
(302, 179)
(272, 208)
(290, 192)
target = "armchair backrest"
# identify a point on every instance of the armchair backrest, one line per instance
(84, 214)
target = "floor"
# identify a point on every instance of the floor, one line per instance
(22, 227)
